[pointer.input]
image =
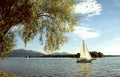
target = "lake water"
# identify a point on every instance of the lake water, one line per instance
(61, 67)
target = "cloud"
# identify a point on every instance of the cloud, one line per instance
(85, 32)
(17, 27)
(89, 7)
(117, 37)
(14, 28)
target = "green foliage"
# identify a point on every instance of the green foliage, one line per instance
(49, 19)
(77, 55)
(2, 74)
(100, 54)
(96, 54)
(8, 44)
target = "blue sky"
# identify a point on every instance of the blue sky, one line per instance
(99, 27)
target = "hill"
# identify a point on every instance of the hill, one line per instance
(24, 53)
(59, 53)
(30, 53)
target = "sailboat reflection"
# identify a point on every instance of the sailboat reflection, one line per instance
(85, 69)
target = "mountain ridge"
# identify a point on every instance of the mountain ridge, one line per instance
(24, 53)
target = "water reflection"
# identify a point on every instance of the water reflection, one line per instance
(85, 69)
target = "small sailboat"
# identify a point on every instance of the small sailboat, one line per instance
(85, 56)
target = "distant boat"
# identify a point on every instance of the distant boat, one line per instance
(85, 56)
(27, 57)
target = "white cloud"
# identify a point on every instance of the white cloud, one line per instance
(14, 28)
(17, 27)
(117, 37)
(84, 24)
(85, 32)
(89, 7)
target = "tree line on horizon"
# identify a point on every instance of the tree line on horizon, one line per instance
(94, 54)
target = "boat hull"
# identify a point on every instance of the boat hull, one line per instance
(94, 59)
(84, 61)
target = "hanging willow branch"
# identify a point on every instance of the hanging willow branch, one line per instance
(48, 18)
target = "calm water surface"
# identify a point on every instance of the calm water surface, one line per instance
(61, 67)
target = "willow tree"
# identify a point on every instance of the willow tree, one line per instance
(49, 19)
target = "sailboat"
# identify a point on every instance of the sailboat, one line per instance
(85, 56)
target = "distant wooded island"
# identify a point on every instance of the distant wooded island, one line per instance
(112, 55)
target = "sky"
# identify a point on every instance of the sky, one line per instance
(99, 27)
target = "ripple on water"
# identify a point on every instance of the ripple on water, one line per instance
(61, 67)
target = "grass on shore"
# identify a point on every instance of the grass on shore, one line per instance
(2, 74)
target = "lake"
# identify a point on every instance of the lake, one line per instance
(61, 67)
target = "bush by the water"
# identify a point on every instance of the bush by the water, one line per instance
(97, 54)
(2, 74)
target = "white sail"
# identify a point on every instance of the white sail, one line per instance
(84, 53)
